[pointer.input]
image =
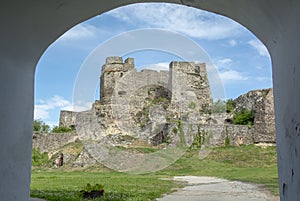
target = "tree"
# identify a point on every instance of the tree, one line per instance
(244, 117)
(40, 126)
(230, 105)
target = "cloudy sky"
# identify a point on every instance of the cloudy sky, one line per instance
(242, 61)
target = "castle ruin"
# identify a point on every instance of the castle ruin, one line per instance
(144, 105)
(130, 100)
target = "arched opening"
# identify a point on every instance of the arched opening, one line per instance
(224, 60)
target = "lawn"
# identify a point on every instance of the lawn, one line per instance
(246, 163)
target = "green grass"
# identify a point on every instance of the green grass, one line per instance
(246, 163)
(63, 185)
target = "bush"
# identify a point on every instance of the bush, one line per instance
(92, 192)
(230, 106)
(61, 129)
(40, 126)
(244, 117)
(38, 158)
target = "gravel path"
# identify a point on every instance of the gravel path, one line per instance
(215, 189)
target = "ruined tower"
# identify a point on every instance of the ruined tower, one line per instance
(188, 82)
(112, 71)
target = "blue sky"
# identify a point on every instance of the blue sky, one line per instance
(241, 59)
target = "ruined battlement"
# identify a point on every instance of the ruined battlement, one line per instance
(116, 64)
(182, 79)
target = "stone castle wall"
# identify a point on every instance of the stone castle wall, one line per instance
(52, 142)
(189, 80)
(127, 97)
(112, 71)
(261, 102)
(264, 121)
(67, 118)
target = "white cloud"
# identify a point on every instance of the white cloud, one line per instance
(223, 64)
(44, 107)
(225, 61)
(190, 21)
(256, 44)
(80, 31)
(157, 67)
(232, 43)
(231, 76)
(263, 78)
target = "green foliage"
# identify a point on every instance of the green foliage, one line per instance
(227, 139)
(89, 188)
(40, 126)
(199, 138)
(244, 117)
(230, 106)
(181, 133)
(218, 107)
(61, 129)
(39, 159)
(192, 105)
(175, 130)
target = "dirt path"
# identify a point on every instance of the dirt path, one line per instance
(215, 189)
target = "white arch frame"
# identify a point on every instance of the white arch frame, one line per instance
(29, 27)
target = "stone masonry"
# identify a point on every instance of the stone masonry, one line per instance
(127, 97)
(142, 105)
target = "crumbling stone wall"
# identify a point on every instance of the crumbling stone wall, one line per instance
(52, 142)
(261, 102)
(264, 120)
(67, 118)
(218, 133)
(125, 104)
(112, 71)
(189, 79)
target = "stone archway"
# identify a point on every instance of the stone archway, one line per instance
(29, 27)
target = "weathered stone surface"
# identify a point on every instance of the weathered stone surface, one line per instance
(52, 142)
(189, 79)
(165, 107)
(67, 118)
(264, 121)
(262, 103)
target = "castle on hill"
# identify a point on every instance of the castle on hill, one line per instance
(150, 106)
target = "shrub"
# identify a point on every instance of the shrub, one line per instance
(92, 191)
(61, 129)
(230, 106)
(227, 139)
(199, 138)
(244, 117)
(38, 158)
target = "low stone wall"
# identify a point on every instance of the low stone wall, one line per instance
(237, 134)
(53, 141)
